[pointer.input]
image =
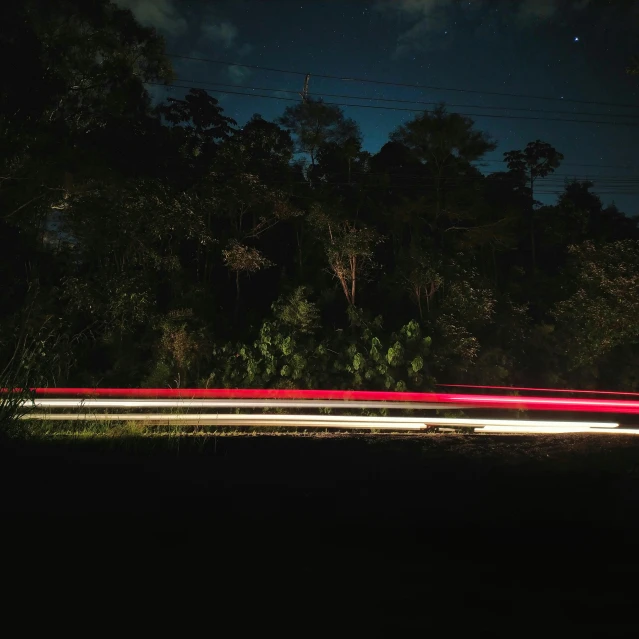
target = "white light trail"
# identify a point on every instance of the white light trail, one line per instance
(343, 421)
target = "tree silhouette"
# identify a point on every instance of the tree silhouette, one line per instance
(536, 161)
(443, 140)
(140, 226)
(315, 124)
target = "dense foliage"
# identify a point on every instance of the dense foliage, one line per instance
(162, 245)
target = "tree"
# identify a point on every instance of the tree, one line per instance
(443, 142)
(599, 223)
(602, 311)
(466, 308)
(537, 160)
(83, 83)
(124, 250)
(298, 312)
(441, 138)
(247, 202)
(349, 249)
(237, 203)
(163, 214)
(335, 161)
(93, 56)
(240, 259)
(269, 147)
(315, 124)
(201, 116)
(423, 278)
(199, 127)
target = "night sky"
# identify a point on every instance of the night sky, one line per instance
(560, 49)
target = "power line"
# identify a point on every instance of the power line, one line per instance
(364, 97)
(598, 166)
(570, 176)
(556, 179)
(399, 84)
(553, 177)
(387, 108)
(423, 183)
(548, 190)
(402, 187)
(415, 181)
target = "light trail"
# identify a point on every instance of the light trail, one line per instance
(556, 431)
(541, 390)
(474, 401)
(337, 421)
(234, 403)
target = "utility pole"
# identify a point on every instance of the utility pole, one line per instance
(304, 92)
(304, 95)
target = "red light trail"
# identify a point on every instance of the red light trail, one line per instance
(540, 390)
(503, 402)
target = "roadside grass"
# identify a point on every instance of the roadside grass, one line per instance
(592, 453)
(143, 437)
(599, 454)
(123, 431)
(95, 429)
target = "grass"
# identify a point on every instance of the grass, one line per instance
(34, 429)
(594, 451)
(115, 429)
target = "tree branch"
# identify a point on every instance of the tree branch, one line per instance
(31, 201)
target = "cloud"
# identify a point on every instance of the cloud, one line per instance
(424, 19)
(160, 14)
(209, 29)
(414, 7)
(223, 33)
(226, 35)
(415, 38)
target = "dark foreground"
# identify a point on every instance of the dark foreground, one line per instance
(497, 535)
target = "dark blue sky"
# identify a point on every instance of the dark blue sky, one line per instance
(562, 49)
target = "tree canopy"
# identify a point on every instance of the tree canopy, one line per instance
(164, 244)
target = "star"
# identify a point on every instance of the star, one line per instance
(576, 38)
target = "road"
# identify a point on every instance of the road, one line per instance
(179, 412)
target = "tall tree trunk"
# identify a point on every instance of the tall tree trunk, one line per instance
(345, 289)
(429, 295)
(299, 235)
(532, 243)
(237, 296)
(353, 278)
(309, 173)
(532, 223)
(207, 253)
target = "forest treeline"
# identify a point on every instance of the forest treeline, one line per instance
(146, 244)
